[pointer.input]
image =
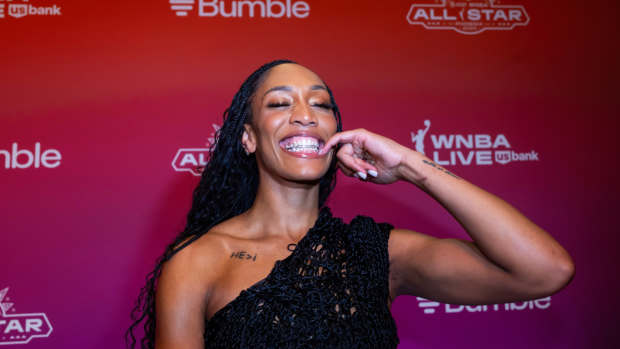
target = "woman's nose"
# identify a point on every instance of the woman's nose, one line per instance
(303, 115)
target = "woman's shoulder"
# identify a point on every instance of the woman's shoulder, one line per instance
(205, 255)
(186, 284)
(194, 253)
(194, 264)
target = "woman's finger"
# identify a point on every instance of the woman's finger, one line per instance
(340, 137)
(351, 173)
(353, 163)
(344, 169)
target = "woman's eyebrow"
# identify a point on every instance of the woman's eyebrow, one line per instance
(318, 87)
(289, 88)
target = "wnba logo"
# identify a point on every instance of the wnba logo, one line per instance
(468, 149)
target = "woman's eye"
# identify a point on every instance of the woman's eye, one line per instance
(277, 104)
(324, 106)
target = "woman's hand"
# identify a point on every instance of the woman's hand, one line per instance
(368, 156)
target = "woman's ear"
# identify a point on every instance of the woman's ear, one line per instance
(248, 139)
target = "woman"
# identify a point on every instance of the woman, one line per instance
(248, 272)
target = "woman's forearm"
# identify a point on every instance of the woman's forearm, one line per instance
(504, 235)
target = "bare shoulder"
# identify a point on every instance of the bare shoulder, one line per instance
(195, 268)
(196, 262)
(183, 291)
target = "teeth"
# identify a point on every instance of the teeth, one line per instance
(299, 144)
(302, 147)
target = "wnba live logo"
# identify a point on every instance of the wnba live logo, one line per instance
(193, 160)
(20, 328)
(467, 17)
(468, 149)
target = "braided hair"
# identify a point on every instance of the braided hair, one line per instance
(227, 188)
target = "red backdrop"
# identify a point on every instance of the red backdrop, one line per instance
(113, 90)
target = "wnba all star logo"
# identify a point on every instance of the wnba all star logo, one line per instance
(194, 160)
(468, 149)
(466, 16)
(20, 328)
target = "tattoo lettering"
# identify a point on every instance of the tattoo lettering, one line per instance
(430, 163)
(243, 255)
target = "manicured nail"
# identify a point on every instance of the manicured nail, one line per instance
(373, 173)
(361, 174)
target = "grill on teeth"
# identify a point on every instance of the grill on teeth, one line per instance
(299, 147)
(300, 143)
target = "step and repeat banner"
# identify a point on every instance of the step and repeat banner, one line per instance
(107, 109)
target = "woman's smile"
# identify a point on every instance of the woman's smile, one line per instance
(303, 145)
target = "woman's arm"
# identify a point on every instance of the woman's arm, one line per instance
(510, 258)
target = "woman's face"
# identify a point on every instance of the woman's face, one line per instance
(292, 119)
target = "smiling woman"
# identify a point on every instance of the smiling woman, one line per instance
(262, 262)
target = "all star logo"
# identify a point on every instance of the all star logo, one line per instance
(467, 16)
(20, 328)
(194, 160)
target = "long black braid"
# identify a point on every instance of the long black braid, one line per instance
(227, 188)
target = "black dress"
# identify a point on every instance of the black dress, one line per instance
(331, 292)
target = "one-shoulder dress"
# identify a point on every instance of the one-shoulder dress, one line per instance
(330, 292)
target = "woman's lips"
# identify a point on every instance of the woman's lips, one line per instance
(305, 147)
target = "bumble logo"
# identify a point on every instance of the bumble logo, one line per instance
(20, 328)
(181, 7)
(17, 158)
(432, 307)
(241, 9)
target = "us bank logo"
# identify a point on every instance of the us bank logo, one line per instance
(22, 8)
(18, 328)
(241, 9)
(468, 149)
(467, 17)
(432, 307)
(194, 160)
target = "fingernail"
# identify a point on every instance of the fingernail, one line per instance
(361, 174)
(372, 173)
